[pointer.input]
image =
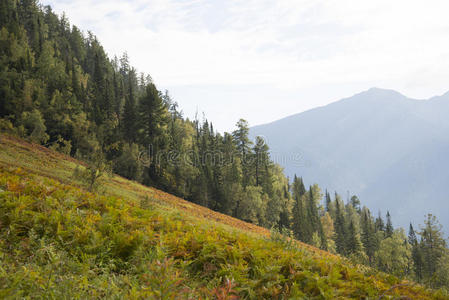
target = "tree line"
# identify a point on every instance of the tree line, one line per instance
(59, 88)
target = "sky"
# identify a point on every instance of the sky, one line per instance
(264, 60)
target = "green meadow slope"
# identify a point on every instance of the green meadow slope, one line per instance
(128, 241)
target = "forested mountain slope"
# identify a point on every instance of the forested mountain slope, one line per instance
(59, 89)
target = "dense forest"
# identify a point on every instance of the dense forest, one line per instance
(60, 89)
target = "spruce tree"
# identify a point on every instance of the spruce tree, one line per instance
(389, 227)
(340, 231)
(354, 244)
(241, 138)
(261, 160)
(379, 224)
(300, 228)
(243, 145)
(313, 223)
(328, 201)
(368, 234)
(416, 253)
(355, 202)
(129, 122)
(153, 119)
(412, 240)
(433, 246)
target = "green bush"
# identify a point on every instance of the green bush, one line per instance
(34, 125)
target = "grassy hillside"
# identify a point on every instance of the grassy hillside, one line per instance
(129, 241)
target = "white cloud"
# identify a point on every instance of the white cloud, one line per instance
(304, 53)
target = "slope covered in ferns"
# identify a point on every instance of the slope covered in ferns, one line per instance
(130, 241)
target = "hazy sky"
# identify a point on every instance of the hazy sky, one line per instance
(263, 60)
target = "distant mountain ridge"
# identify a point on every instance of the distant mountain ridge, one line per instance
(390, 150)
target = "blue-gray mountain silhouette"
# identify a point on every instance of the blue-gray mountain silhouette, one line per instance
(390, 150)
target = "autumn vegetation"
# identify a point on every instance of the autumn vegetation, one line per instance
(107, 190)
(58, 240)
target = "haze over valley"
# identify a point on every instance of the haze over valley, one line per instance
(390, 150)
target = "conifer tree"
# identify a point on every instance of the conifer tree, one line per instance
(354, 243)
(261, 159)
(286, 209)
(416, 253)
(340, 230)
(313, 222)
(389, 227)
(300, 228)
(433, 246)
(243, 145)
(379, 224)
(355, 202)
(153, 119)
(367, 236)
(328, 201)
